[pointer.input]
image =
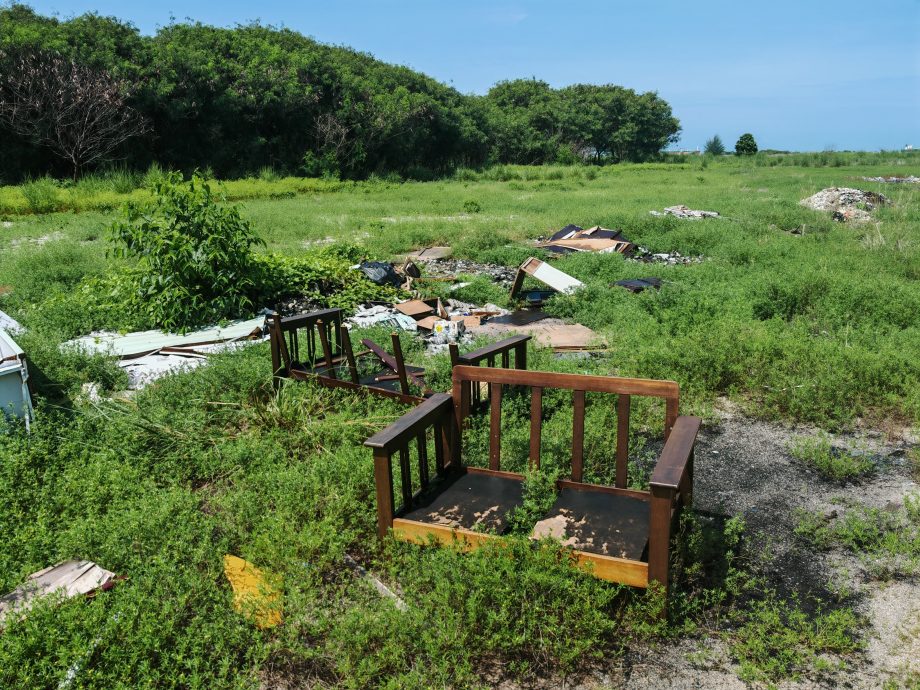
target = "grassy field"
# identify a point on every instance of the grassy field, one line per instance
(816, 327)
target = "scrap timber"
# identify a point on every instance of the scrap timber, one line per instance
(617, 534)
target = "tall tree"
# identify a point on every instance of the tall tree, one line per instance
(77, 112)
(746, 146)
(714, 146)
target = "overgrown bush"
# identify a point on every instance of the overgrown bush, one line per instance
(195, 260)
(41, 195)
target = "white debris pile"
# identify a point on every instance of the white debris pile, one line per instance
(681, 211)
(380, 315)
(845, 203)
(646, 256)
(893, 179)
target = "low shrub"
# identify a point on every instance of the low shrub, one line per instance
(833, 463)
(41, 195)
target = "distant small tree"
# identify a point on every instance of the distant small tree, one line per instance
(78, 112)
(746, 146)
(714, 146)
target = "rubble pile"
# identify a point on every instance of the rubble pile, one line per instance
(450, 268)
(681, 211)
(893, 179)
(845, 204)
(646, 256)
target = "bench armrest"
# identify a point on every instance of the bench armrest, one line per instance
(438, 407)
(676, 454)
(494, 349)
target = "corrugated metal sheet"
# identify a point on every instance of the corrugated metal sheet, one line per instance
(147, 342)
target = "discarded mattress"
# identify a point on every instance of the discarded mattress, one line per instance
(597, 239)
(68, 578)
(147, 342)
(15, 398)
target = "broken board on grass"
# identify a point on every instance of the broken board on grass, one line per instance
(548, 275)
(597, 239)
(639, 284)
(66, 579)
(546, 331)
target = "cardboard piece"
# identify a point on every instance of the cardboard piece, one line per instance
(415, 308)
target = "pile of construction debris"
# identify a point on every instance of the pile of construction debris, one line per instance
(602, 240)
(893, 179)
(845, 204)
(681, 211)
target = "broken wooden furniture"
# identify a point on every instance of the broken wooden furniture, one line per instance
(619, 534)
(325, 355)
(500, 351)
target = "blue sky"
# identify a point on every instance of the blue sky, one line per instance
(802, 75)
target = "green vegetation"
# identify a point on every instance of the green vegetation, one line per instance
(833, 463)
(888, 541)
(816, 326)
(746, 146)
(255, 98)
(714, 146)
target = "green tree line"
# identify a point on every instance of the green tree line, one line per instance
(239, 99)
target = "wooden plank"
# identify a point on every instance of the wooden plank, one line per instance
(400, 364)
(383, 479)
(441, 446)
(436, 408)
(536, 426)
(622, 570)
(327, 351)
(349, 355)
(578, 434)
(551, 276)
(494, 473)
(388, 360)
(602, 488)
(676, 454)
(623, 405)
(423, 459)
(659, 537)
(670, 416)
(549, 379)
(405, 472)
(422, 532)
(495, 426)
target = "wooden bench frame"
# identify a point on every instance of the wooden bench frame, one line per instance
(335, 356)
(671, 484)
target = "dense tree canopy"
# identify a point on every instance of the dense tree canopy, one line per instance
(238, 99)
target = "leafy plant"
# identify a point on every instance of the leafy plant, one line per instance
(194, 258)
(714, 146)
(41, 195)
(746, 146)
(832, 463)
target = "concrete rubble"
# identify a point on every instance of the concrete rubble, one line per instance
(845, 203)
(681, 211)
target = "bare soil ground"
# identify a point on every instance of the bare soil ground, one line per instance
(744, 467)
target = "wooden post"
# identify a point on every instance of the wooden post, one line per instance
(383, 478)
(327, 351)
(349, 354)
(659, 538)
(623, 403)
(400, 364)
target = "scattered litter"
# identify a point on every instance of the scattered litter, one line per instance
(36, 241)
(643, 255)
(415, 308)
(253, 596)
(147, 342)
(639, 284)
(597, 239)
(681, 211)
(68, 578)
(546, 274)
(380, 273)
(846, 204)
(15, 396)
(10, 325)
(894, 179)
(376, 583)
(380, 315)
